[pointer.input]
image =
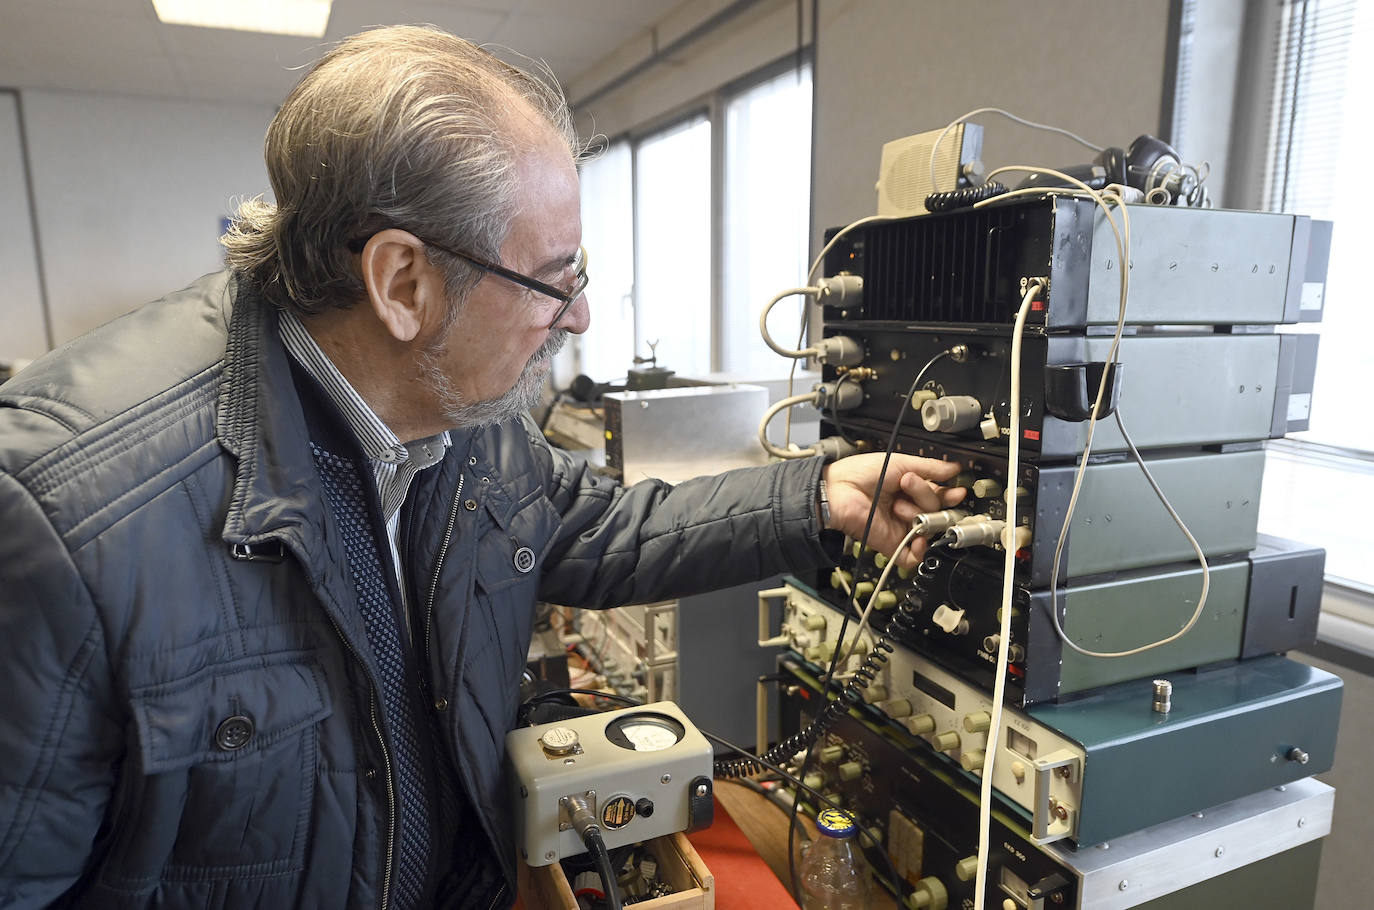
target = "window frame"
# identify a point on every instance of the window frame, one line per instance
(712, 106)
(1244, 187)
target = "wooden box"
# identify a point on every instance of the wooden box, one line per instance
(547, 888)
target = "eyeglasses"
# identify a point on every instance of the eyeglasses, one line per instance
(566, 297)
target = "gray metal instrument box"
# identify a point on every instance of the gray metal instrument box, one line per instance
(1232, 731)
(1105, 763)
(584, 757)
(679, 433)
(1258, 851)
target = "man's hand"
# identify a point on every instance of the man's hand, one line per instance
(910, 487)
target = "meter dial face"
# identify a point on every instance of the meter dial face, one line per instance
(645, 732)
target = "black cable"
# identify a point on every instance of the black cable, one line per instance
(963, 197)
(597, 848)
(823, 716)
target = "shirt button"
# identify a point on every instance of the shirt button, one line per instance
(233, 733)
(470, 505)
(441, 704)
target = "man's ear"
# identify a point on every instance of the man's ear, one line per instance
(403, 288)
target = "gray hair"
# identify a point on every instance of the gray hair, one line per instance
(407, 127)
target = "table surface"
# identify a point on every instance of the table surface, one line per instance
(764, 823)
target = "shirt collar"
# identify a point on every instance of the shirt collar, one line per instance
(374, 437)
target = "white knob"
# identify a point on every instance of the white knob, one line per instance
(949, 619)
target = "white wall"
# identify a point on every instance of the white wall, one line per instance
(890, 68)
(129, 194)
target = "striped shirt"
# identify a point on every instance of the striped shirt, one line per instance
(394, 463)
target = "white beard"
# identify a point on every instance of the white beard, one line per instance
(524, 395)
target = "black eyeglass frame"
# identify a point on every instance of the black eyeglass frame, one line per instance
(566, 297)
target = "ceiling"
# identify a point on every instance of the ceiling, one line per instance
(119, 46)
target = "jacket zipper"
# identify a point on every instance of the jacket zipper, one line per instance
(429, 612)
(439, 565)
(386, 763)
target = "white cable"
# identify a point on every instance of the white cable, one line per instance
(999, 686)
(997, 110)
(772, 412)
(763, 324)
(820, 257)
(882, 584)
(810, 276)
(791, 381)
(1123, 239)
(1197, 549)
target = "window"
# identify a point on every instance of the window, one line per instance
(606, 350)
(1313, 129)
(767, 207)
(692, 225)
(673, 246)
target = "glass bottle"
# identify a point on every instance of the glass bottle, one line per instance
(834, 875)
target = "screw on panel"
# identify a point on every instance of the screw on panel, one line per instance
(550, 855)
(1219, 851)
(1121, 885)
(666, 779)
(1302, 823)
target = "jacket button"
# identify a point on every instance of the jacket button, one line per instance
(441, 704)
(472, 459)
(234, 732)
(470, 504)
(370, 773)
(524, 560)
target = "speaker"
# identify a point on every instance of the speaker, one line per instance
(904, 171)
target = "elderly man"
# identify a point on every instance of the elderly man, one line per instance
(273, 543)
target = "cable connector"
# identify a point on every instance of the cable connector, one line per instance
(577, 812)
(928, 524)
(835, 447)
(838, 396)
(841, 290)
(839, 351)
(977, 532)
(951, 413)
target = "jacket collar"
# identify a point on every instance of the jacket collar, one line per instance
(260, 421)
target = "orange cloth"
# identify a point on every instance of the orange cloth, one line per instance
(743, 879)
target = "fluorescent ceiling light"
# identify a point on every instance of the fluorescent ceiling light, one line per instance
(277, 17)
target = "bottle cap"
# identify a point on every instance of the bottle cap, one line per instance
(835, 823)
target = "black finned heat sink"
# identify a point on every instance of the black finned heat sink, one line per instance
(966, 266)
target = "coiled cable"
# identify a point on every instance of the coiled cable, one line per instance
(964, 197)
